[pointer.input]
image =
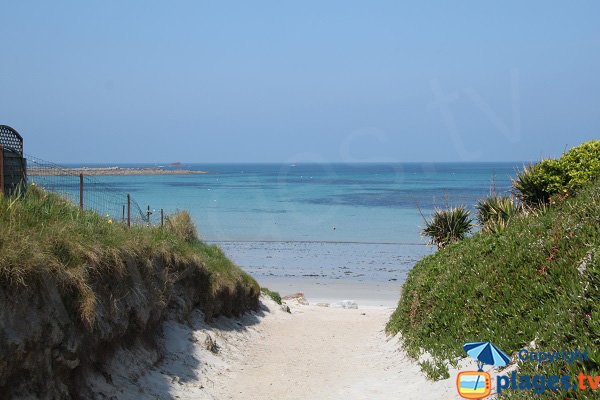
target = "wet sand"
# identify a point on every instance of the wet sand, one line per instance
(331, 291)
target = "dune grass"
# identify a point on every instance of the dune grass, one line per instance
(538, 280)
(181, 225)
(42, 234)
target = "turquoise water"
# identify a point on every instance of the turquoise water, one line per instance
(357, 222)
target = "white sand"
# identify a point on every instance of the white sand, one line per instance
(184, 367)
(313, 353)
(328, 353)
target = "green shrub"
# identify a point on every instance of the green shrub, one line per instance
(448, 226)
(181, 225)
(494, 212)
(581, 165)
(537, 183)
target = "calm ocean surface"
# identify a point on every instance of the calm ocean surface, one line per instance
(345, 222)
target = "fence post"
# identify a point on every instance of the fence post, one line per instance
(123, 218)
(81, 191)
(128, 209)
(162, 218)
(149, 213)
(1, 170)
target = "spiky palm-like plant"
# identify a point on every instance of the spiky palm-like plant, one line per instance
(530, 189)
(448, 226)
(495, 212)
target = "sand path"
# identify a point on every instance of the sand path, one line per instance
(327, 353)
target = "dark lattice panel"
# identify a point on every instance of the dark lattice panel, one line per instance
(11, 139)
(15, 175)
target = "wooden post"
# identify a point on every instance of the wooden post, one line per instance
(149, 213)
(162, 218)
(123, 219)
(1, 170)
(128, 209)
(81, 191)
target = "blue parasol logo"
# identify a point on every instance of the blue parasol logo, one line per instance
(486, 353)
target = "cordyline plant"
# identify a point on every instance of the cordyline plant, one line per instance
(447, 226)
(495, 212)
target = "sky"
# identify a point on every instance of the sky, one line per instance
(304, 81)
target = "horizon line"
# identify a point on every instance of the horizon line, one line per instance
(287, 162)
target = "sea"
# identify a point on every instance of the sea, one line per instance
(314, 224)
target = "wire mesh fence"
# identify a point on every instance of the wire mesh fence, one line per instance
(89, 192)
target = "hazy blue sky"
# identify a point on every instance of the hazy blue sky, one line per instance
(210, 81)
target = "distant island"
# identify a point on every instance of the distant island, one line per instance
(111, 171)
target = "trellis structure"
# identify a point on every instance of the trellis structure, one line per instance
(13, 166)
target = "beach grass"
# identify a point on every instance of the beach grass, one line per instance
(42, 234)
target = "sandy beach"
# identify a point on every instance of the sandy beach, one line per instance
(328, 353)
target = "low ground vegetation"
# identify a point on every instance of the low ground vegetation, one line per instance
(537, 280)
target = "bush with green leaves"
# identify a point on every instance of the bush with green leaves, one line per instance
(448, 226)
(494, 212)
(537, 183)
(580, 165)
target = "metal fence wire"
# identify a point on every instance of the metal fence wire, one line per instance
(87, 191)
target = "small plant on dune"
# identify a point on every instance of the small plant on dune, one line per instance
(494, 212)
(448, 226)
(181, 225)
(435, 369)
(275, 296)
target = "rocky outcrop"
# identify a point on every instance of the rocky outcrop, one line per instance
(47, 349)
